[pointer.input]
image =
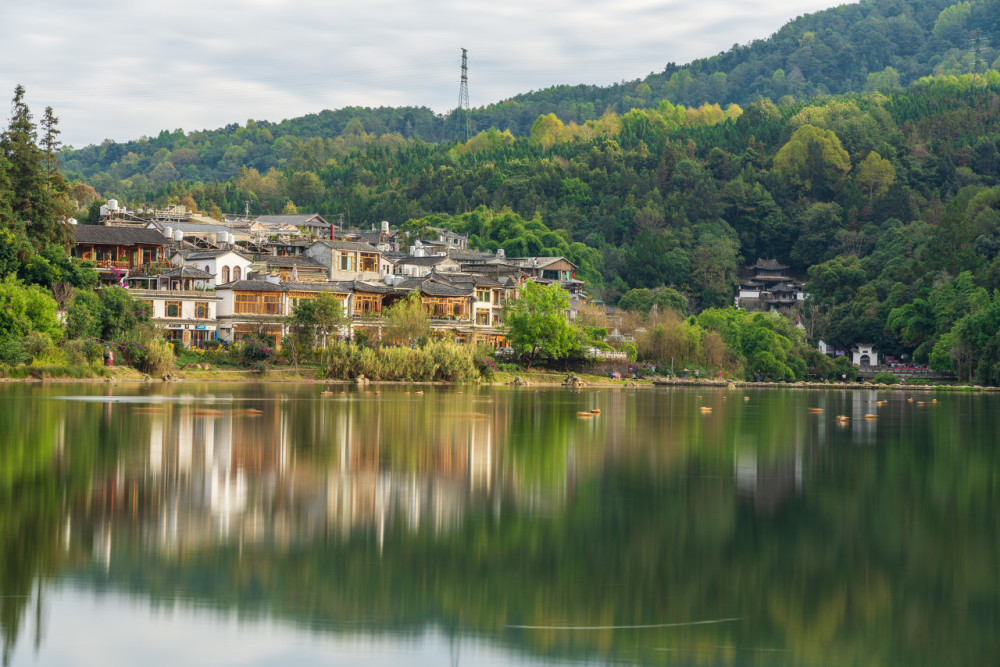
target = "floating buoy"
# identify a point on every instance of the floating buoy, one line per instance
(584, 414)
(814, 411)
(595, 411)
(934, 401)
(746, 398)
(326, 393)
(909, 400)
(705, 410)
(843, 418)
(418, 392)
(871, 416)
(698, 397)
(724, 397)
(921, 403)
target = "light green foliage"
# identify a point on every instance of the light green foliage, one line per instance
(874, 175)
(813, 161)
(406, 321)
(442, 360)
(767, 342)
(951, 22)
(536, 323)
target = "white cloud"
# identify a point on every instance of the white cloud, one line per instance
(120, 69)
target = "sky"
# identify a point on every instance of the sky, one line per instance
(122, 69)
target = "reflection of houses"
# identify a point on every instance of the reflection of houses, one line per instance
(766, 287)
(119, 251)
(767, 484)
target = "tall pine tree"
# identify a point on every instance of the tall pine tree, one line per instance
(38, 192)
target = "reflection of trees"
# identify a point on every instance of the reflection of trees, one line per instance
(886, 554)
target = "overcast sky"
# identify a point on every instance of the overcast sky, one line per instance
(121, 69)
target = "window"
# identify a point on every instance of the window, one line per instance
(272, 304)
(201, 311)
(208, 269)
(483, 295)
(225, 274)
(236, 273)
(456, 309)
(346, 261)
(369, 262)
(149, 255)
(173, 309)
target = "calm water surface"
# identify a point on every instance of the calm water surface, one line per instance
(269, 525)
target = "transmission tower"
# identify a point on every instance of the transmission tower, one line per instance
(463, 91)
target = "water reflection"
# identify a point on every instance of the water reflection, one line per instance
(657, 531)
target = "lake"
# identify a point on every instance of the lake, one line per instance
(267, 524)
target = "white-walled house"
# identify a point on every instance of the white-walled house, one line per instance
(185, 315)
(864, 354)
(225, 265)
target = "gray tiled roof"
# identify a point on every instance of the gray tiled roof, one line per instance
(209, 254)
(433, 260)
(253, 286)
(311, 219)
(349, 245)
(187, 272)
(105, 235)
(298, 260)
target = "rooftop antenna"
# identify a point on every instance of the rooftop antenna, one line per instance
(463, 91)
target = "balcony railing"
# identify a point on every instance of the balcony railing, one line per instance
(111, 263)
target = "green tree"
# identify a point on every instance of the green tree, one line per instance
(313, 320)
(874, 175)
(536, 323)
(813, 160)
(406, 321)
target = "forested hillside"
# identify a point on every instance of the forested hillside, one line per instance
(878, 45)
(886, 200)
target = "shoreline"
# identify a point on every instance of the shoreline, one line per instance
(527, 379)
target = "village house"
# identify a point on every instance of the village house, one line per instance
(347, 260)
(765, 286)
(251, 308)
(120, 251)
(293, 269)
(183, 315)
(548, 268)
(864, 354)
(223, 265)
(312, 223)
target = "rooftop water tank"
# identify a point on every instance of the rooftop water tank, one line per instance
(168, 232)
(385, 225)
(112, 204)
(104, 210)
(178, 236)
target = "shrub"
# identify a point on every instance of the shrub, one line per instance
(146, 351)
(82, 352)
(249, 351)
(12, 352)
(885, 377)
(437, 360)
